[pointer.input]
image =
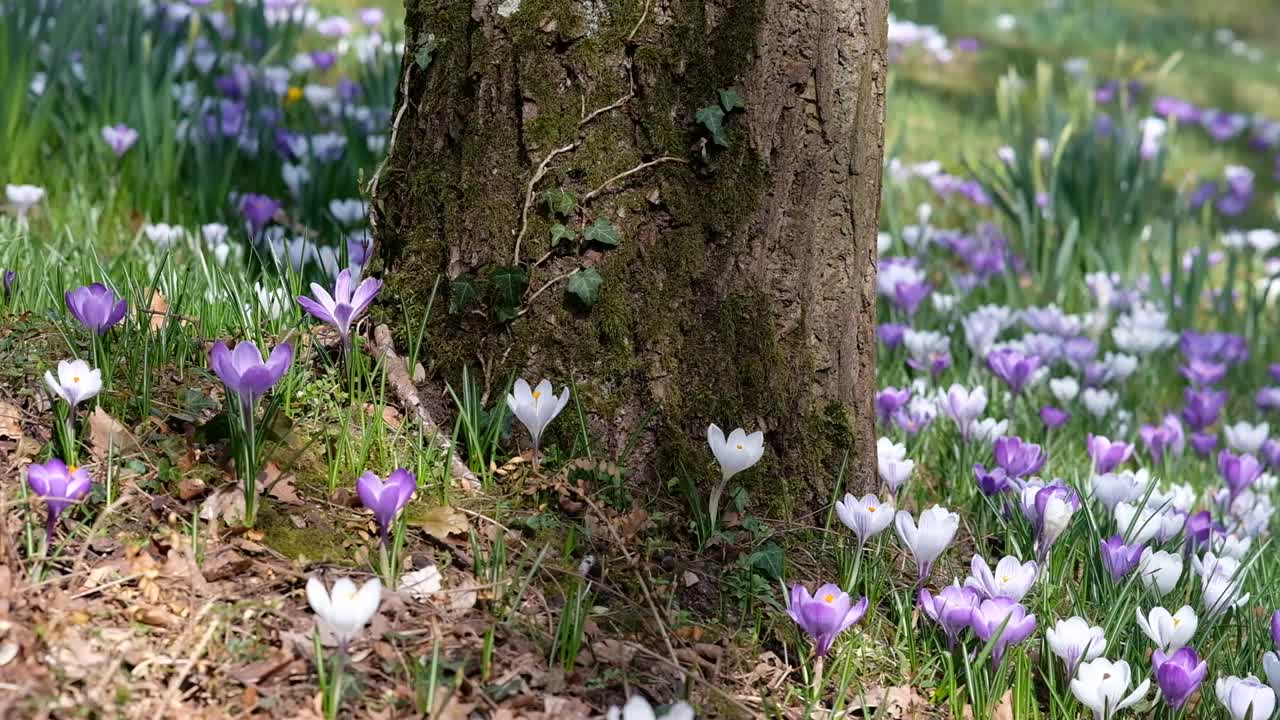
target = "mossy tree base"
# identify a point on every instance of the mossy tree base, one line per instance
(742, 289)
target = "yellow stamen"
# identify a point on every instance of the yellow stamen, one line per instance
(536, 394)
(1177, 622)
(293, 95)
(72, 468)
(1004, 578)
(739, 446)
(871, 508)
(75, 380)
(829, 598)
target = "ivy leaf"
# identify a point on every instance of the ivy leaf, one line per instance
(462, 292)
(603, 232)
(732, 100)
(509, 283)
(426, 47)
(560, 232)
(768, 560)
(585, 286)
(560, 202)
(712, 118)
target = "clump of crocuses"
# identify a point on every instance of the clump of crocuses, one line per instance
(247, 377)
(386, 499)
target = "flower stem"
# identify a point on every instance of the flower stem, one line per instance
(817, 679)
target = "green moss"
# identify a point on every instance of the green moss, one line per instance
(315, 543)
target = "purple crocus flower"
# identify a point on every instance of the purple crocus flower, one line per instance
(1275, 628)
(991, 615)
(1107, 455)
(1053, 417)
(1172, 107)
(1203, 443)
(245, 373)
(1118, 558)
(1018, 458)
(1201, 407)
(891, 334)
(322, 60)
(386, 499)
(1268, 398)
(951, 608)
(1167, 437)
(1200, 528)
(907, 296)
(967, 44)
(1238, 471)
(59, 486)
(345, 306)
(96, 306)
(1178, 674)
(825, 614)
(991, 482)
(258, 210)
(1012, 367)
(890, 400)
(933, 363)
(1274, 371)
(9, 277)
(1203, 373)
(1271, 453)
(119, 138)
(1079, 351)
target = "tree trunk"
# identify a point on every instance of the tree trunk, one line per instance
(735, 247)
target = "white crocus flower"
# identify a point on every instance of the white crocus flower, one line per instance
(1138, 525)
(1271, 664)
(535, 408)
(1075, 641)
(22, 198)
(866, 517)
(346, 609)
(1245, 438)
(76, 381)
(1167, 631)
(1064, 389)
(637, 708)
(736, 453)
(1012, 577)
(1245, 697)
(1159, 571)
(1098, 402)
(164, 235)
(1101, 686)
(927, 540)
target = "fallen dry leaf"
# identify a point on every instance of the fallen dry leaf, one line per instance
(899, 702)
(421, 583)
(159, 311)
(10, 421)
(106, 435)
(225, 504)
(441, 522)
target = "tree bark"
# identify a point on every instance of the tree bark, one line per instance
(741, 290)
